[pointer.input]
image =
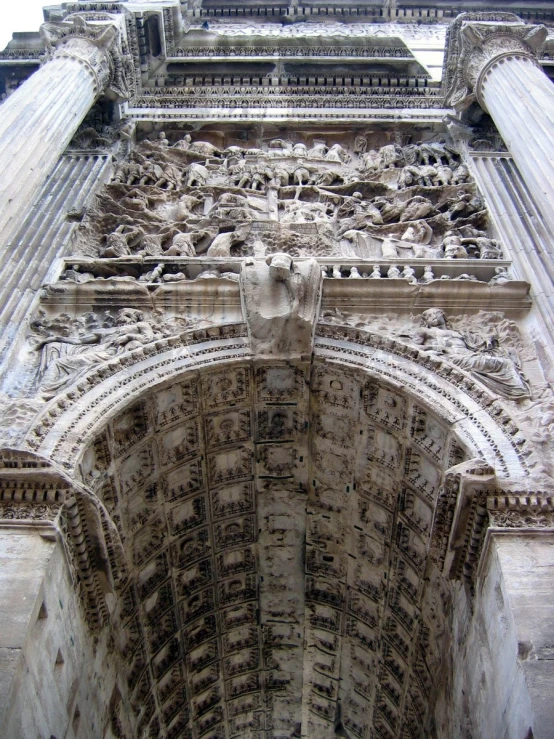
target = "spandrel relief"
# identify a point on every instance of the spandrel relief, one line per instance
(486, 345)
(181, 196)
(482, 355)
(67, 347)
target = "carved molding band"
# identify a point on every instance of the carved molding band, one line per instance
(521, 510)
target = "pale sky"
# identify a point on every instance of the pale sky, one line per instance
(21, 15)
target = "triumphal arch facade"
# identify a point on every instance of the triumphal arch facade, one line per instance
(276, 371)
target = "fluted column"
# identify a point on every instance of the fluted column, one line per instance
(520, 99)
(39, 119)
(494, 64)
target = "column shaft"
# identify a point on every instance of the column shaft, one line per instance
(41, 117)
(520, 99)
(36, 124)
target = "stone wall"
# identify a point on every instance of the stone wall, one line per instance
(57, 679)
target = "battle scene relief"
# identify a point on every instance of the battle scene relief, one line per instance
(305, 195)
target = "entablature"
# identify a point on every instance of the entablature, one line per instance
(198, 50)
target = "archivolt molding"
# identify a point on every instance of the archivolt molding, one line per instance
(72, 417)
(482, 420)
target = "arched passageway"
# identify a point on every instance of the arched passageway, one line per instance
(277, 533)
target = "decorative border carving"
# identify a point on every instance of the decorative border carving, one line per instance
(521, 511)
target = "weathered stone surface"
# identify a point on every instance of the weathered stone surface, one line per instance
(281, 303)
(276, 429)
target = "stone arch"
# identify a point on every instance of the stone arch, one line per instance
(289, 528)
(483, 422)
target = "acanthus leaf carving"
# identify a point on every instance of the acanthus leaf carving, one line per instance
(477, 39)
(98, 46)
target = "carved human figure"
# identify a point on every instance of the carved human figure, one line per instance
(408, 177)
(483, 356)
(461, 175)
(302, 174)
(484, 247)
(118, 242)
(337, 153)
(240, 174)
(136, 200)
(64, 358)
(418, 232)
(463, 205)
(416, 208)
(427, 175)
(281, 301)
(370, 161)
(326, 178)
(444, 175)
(390, 156)
(197, 175)
(354, 213)
(185, 206)
(184, 143)
(203, 148)
(222, 243)
(282, 146)
(501, 276)
(300, 150)
(452, 246)
(318, 151)
(171, 178)
(281, 176)
(411, 154)
(261, 175)
(234, 207)
(390, 209)
(437, 152)
(428, 274)
(151, 245)
(148, 173)
(389, 248)
(299, 212)
(121, 173)
(129, 172)
(182, 245)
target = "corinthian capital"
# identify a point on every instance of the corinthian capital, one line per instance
(98, 47)
(475, 42)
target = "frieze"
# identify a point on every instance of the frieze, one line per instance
(412, 201)
(521, 511)
(212, 89)
(292, 51)
(224, 100)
